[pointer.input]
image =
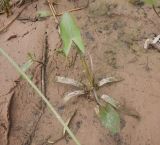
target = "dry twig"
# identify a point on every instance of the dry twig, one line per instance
(75, 9)
(6, 26)
(53, 11)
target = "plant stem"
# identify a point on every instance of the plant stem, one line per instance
(90, 77)
(96, 97)
(41, 95)
(88, 72)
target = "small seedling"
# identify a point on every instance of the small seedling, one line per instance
(106, 107)
(30, 60)
(26, 66)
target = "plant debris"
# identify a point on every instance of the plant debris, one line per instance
(69, 81)
(153, 43)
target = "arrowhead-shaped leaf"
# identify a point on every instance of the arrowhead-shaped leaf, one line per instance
(70, 33)
(109, 118)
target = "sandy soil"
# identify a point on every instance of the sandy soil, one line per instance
(114, 33)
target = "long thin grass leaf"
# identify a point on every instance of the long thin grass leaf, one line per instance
(55, 113)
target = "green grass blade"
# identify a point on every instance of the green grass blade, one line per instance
(41, 95)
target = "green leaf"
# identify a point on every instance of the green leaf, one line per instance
(70, 33)
(150, 2)
(43, 14)
(31, 56)
(27, 65)
(110, 118)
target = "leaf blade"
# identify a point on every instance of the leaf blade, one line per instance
(43, 14)
(26, 65)
(70, 33)
(110, 118)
